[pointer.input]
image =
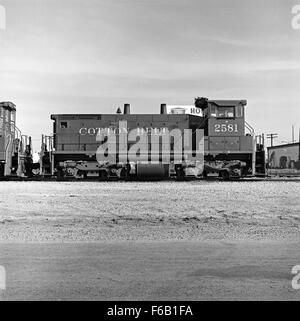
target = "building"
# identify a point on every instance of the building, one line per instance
(284, 159)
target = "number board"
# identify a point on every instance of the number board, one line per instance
(226, 127)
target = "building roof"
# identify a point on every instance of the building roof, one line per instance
(283, 146)
(228, 102)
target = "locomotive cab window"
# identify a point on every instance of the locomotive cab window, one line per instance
(213, 111)
(225, 112)
(63, 124)
(239, 111)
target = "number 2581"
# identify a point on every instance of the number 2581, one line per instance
(230, 128)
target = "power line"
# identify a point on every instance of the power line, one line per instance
(272, 137)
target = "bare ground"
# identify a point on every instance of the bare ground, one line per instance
(149, 241)
(91, 212)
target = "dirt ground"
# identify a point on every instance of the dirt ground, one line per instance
(91, 212)
(149, 241)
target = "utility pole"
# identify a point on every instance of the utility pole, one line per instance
(299, 145)
(272, 137)
(293, 136)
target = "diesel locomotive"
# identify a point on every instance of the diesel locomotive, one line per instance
(228, 147)
(15, 148)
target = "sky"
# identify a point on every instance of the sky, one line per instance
(91, 56)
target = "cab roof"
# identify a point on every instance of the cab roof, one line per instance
(8, 105)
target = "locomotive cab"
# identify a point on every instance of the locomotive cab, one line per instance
(226, 118)
(226, 128)
(230, 141)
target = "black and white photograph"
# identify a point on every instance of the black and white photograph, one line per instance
(149, 152)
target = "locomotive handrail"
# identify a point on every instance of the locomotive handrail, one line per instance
(17, 130)
(47, 140)
(249, 127)
(14, 125)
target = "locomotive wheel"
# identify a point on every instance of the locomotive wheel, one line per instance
(1, 170)
(60, 175)
(124, 173)
(179, 174)
(103, 176)
(224, 175)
